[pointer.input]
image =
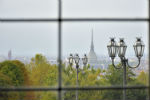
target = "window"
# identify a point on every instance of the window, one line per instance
(70, 24)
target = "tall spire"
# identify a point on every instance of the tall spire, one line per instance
(92, 43)
(9, 55)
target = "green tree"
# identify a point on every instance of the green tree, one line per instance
(4, 82)
(115, 77)
(42, 73)
(11, 75)
(87, 77)
(24, 71)
(26, 78)
(12, 71)
(143, 78)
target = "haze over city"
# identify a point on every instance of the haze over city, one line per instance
(27, 39)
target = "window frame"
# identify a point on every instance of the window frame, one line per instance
(60, 20)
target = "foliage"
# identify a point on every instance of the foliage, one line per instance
(12, 74)
(5, 80)
(43, 73)
(39, 72)
(23, 71)
(115, 77)
(11, 70)
(143, 78)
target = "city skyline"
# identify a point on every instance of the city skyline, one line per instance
(75, 39)
(67, 47)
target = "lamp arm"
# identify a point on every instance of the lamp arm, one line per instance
(115, 65)
(139, 61)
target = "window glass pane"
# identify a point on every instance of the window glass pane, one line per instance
(105, 8)
(28, 8)
(47, 95)
(77, 38)
(28, 54)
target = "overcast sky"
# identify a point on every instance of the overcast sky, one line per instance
(31, 38)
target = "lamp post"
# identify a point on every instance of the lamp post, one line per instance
(120, 49)
(85, 60)
(75, 59)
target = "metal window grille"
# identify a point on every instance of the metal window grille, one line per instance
(59, 20)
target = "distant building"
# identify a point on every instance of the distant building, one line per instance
(9, 55)
(92, 58)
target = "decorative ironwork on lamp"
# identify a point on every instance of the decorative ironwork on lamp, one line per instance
(76, 60)
(70, 59)
(120, 49)
(85, 60)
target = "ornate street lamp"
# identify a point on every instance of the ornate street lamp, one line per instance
(76, 60)
(85, 60)
(113, 49)
(70, 59)
(122, 48)
(139, 48)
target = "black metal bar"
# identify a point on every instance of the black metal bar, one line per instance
(105, 88)
(149, 46)
(71, 19)
(105, 19)
(2, 89)
(28, 20)
(77, 84)
(124, 80)
(28, 89)
(59, 49)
